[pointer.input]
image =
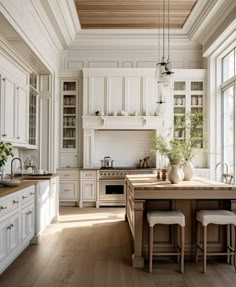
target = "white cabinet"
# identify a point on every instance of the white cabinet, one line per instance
(69, 185)
(27, 221)
(54, 199)
(14, 112)
(69, 123)
(88, 187)
(22, 118)
(8, 102)
(189, 97)
(9, 237)
(42, 205)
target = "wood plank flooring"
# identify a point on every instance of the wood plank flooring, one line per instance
(93, 247)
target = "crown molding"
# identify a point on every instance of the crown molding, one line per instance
(64, 19)
(123, 40)
(208, 19)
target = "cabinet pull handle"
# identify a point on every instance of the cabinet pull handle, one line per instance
(66, 175)
(32, 193)
(11, 225)
(24, 197)
(15, 201)
(18, 137)
(29, 212)
(66, 190)
(4, 135)
(3, 207)
(4, 79)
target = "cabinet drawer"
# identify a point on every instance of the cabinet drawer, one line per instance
(27, 194)
(88, 174)
(68, 191)
(9, 203)
(68, 174)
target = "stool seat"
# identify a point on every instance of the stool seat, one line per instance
(166, 217)
(220, 217)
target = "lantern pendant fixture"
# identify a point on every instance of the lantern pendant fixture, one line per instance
(164, 73)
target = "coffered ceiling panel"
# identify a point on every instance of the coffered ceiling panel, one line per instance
(122, 14)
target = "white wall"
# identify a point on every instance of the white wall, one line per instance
(124, 147)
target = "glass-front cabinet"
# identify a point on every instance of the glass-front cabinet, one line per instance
(190, 105)
(33, 110)
(69, 123)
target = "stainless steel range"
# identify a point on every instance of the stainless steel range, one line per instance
(111, 185)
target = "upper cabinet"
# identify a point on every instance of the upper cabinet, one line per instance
(33, 110)
(131, 92)
(8, 103)
(14, 101)
(69, 123)
(189, 97)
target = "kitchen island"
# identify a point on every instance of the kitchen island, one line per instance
(144, 192)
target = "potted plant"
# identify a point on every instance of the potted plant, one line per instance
(173, 151)
(5, 152)
(192, 124)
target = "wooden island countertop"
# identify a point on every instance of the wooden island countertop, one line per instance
(144, 192)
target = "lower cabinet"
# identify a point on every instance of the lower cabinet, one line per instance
(69, 186)
(88, 187)
(9, 237)
(24, 214)
(28, 222)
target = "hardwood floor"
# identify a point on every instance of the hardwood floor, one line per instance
(93, 247)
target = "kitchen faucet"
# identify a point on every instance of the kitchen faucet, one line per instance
(12, 171)
(225, 165)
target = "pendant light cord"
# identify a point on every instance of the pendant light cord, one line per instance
(168, 29)
(163, 28)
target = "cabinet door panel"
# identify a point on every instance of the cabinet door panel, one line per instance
(68, 191)
(3, 240)
(14, 239)
(8, 109)
(22, 117)
(89, 190)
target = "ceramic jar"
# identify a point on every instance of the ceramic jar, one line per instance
(174, 174)
(188, 170)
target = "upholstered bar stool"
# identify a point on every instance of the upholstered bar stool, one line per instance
(220, 217)
(166, 217)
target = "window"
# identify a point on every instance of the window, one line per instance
(228, 109)
(228, 130)
(229, 65)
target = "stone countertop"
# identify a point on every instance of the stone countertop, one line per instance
(150, 182)
(27, 180)
(6, 190)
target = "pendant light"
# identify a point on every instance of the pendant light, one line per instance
(160, 67)
(168, 73)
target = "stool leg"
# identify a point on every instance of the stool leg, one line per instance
(235, 248)
(198, 240)
(204, 248)
(228, 243)
(182, 247)
(177, 242)
(150, 247)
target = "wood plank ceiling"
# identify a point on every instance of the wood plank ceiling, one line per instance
(125, 14)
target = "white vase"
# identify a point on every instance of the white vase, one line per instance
(181, 172)
(188, 170)
(174, 174)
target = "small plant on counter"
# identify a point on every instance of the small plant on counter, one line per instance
(5, 153)
(172, 149)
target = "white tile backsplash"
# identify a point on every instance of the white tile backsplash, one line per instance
(124, 147)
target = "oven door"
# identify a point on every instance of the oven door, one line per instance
(112, 192)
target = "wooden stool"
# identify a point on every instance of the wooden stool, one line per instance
(166, 217)
(221, 217)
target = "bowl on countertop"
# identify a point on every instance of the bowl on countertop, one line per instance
(11, 182)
